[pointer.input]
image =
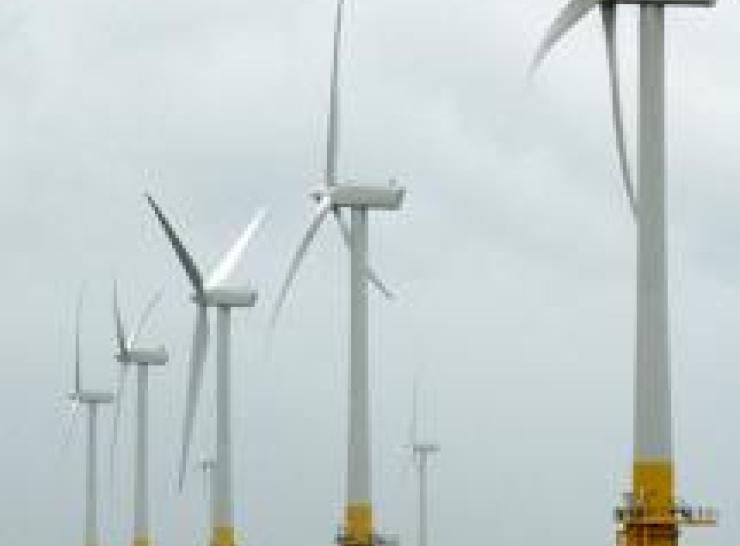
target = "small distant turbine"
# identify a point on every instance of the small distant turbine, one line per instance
(213, 293)
(656, 521)
(92, 400)
(332, 196)
(207, 467)
(128, 355)
(420, 452)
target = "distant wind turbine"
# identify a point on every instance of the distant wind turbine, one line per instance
(130, 354)
(213, 293)
(332, 196)
(92, 400)
(420, 452)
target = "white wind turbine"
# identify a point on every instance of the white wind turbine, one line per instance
(207, 467)
(92, 400)
(420, 452)
(653, 473)
(130, 354)
(213, 293)
(332, 196)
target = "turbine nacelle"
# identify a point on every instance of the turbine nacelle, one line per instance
(92, 397)
(373, 196)
(425, 448)
(144, 357)
(227, 297)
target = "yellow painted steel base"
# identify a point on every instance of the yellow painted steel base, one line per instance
(358, 529)
(144, 541)
(223, 536)
(651, 516)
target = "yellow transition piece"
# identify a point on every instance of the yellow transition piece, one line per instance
(359, 523)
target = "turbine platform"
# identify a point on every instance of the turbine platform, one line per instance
(344, 539)
(638, 525)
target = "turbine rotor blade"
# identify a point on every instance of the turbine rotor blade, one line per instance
(197, 360)
(186, 260)
(120, 334)
(573, 12)
(609, 19)
(332, 139)
(78, 373)
(69, 429)
(372, 276)
(228, 263)
(313, 226)
(144, 317)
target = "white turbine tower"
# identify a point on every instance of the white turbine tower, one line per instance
(420, 452)
(332, 196)
(128, 355)
(651, 517)
(92, 400)
(213, 293)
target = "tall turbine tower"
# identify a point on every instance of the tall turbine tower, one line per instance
(420, 453)
(651, 515)
(213, 293)
(332, 196)
(129, 354)
(92, 400)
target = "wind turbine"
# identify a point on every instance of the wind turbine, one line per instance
(213, 293)
(420, 452)
(92, 400)
(651, 516)
(128, 355)
(207, 466)
(332, 196)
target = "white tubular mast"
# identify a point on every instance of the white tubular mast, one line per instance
(358, 459)
(141, 480)
(91, 483)
(223, 501)
(652, 359)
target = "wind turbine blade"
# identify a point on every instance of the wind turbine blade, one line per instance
(120, 334)
(609, 18)
(332, 140)
(313, 226)
(69, 429)
(573, 12)
(78, 375)
(227, 264)
(186, 260)
(415, 412)
(197, 359)
(372, 276)
(122, 374)
(144, 317)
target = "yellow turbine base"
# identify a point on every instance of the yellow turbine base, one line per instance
(143, 541)
(653, 492)
(359, 524)
(223, 536)
(652, 483)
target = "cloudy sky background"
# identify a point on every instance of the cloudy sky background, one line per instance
(513, 259)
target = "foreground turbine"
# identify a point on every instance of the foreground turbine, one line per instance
(359, 199)
(92, 400)
(128, 355)
(651, 515)
(213, 293)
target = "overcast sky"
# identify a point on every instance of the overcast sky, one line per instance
(513, 259)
